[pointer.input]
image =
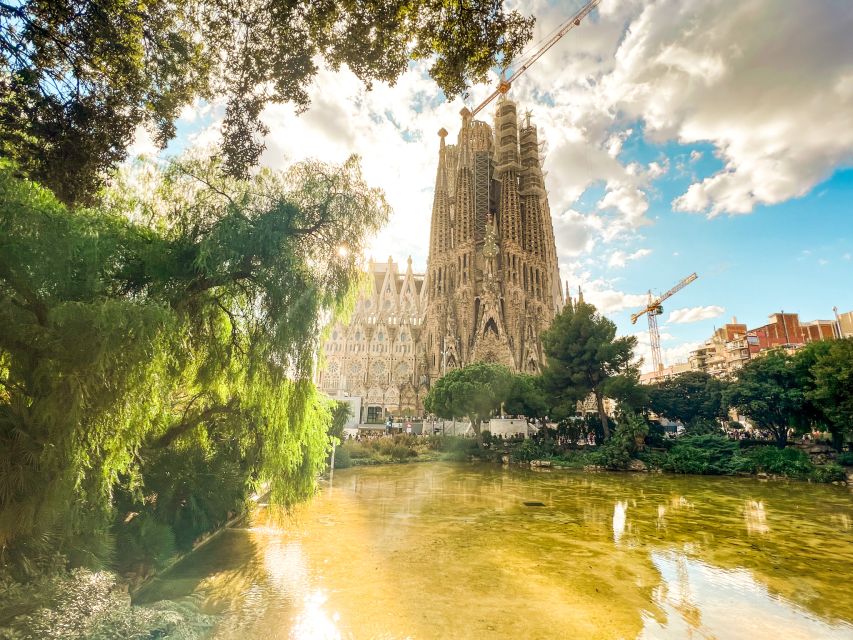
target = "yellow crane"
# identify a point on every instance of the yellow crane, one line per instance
(653, 309)
(529, 59)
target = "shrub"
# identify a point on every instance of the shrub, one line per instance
(704, 454)
(653, 459)
(356, 450)
(143, 543)
(789, 462)
(82, 604)
(846, 459)
(613, 454)
(342, 458)
(401, 453)
(529, 450)
(828, 473)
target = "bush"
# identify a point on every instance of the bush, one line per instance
(82, 604)
(144, 543)
(343, 460)
(789, 462)
(846, 459)
(613, 454)
(530, 450)
(653, 459)
(401, 453)
(626, 440)
(828, 473)
(705, 454)
(356, 450)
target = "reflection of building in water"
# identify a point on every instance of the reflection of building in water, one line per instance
(755, 517)
(620, 510)
(374, 356)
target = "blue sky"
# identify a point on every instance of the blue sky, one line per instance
(681, 136)
(795, 256)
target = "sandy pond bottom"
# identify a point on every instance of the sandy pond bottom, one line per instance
(451, 551)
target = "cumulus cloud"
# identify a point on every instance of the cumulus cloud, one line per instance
(694, 314)
(769, 83)
(620, 258)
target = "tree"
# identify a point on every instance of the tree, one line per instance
(341, 413)
(768, 390)
(180, 318)
(832, 387)
(475, 391)
(584, 356)
(527, 398)
(688, 397)
(78, 76)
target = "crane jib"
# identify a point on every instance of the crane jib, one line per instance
(571, 23)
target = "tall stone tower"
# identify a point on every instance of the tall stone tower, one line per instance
(492, 279)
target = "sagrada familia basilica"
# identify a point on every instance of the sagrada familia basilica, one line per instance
(492, 283)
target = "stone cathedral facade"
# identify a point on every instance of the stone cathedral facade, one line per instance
(376, 356)
(492, 281)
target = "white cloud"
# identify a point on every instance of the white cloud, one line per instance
(694, 314)
(670, 353)
(620, 258)
(780, 116)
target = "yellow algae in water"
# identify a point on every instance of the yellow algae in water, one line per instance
(451, 551)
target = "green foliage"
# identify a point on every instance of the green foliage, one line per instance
(627, 440)
(769, 390)
(789, 462)
(584, 356)
(78, 78)
(145, 542)
(531, 450)
(82, 605)
(705, 454)
(846, 458)
(343, 457)
(703, 426)
(828, 473)
(526, 397)
(341, 412)
(475, 391)
(832, 388)
(690, 396)
(175, 325)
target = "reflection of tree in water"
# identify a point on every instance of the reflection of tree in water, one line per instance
(607, 556)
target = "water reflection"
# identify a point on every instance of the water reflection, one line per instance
(448, 551)
(699, 600)
(619, 510)
(314, 622)
(755, 517)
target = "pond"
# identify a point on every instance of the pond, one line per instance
(445, 550)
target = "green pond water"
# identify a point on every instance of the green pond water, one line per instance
(452, 551)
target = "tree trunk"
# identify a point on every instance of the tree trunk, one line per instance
(475, 423)
(782, 437)
(599, 403)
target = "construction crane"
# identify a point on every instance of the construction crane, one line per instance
(567, 26)
(653, 309)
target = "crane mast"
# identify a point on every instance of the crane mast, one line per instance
(652, 310)
(567, 26)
